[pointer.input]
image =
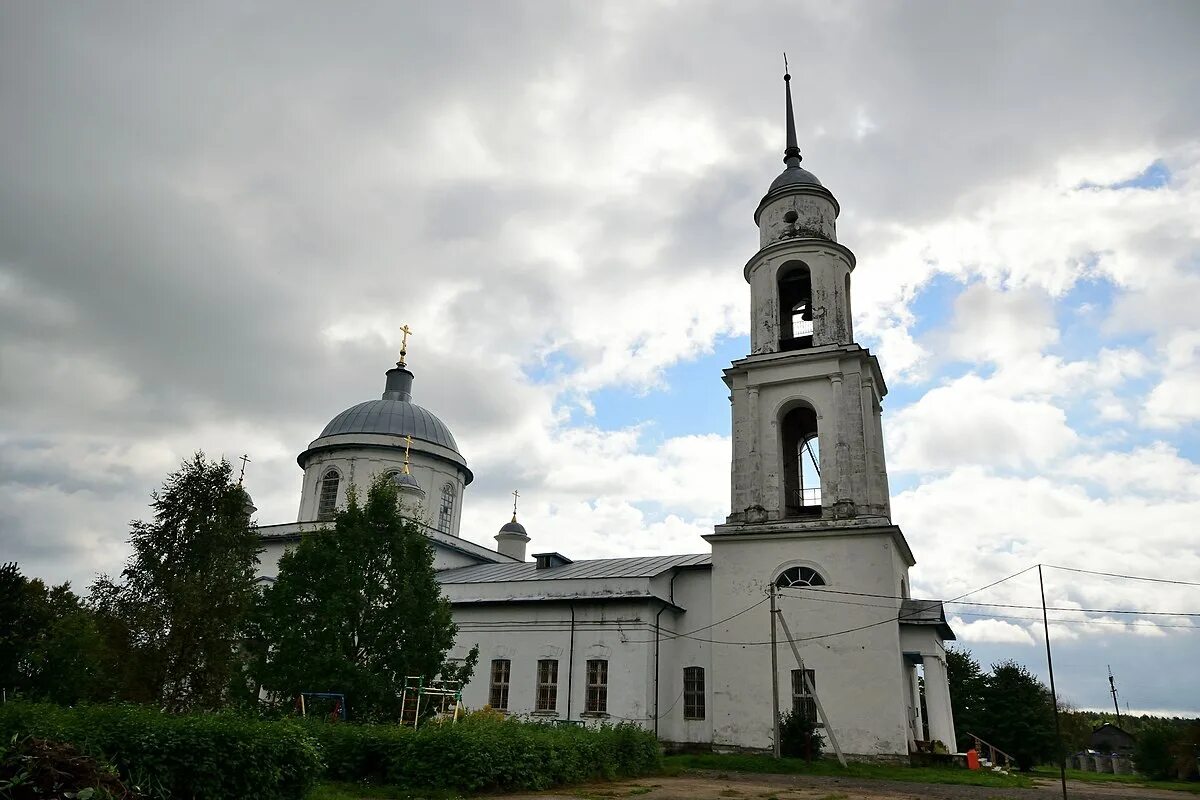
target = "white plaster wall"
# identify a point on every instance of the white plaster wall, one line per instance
(693, 592)
(857, 676)
(815, 215)
(359, 466)
(621, 632)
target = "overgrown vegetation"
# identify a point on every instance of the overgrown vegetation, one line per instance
(799, 737)
(356, 610)
(482, 753)
(33, 769)
(1009, 707)
(198, 755)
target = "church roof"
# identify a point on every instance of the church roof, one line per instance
(638, 567)
(926, 612)
(392, 418)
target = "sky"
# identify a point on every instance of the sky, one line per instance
(214, 219)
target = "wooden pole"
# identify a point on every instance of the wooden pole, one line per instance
(812, 690)
(775, 749)
(1062, 760)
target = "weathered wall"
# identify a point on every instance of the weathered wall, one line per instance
(857, 674)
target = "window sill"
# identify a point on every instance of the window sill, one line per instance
(546, 713)
(693, 719)
(595, 714)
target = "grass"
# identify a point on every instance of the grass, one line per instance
(1051, 773)
(334, 790)
(795, 766)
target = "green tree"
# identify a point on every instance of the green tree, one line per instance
(357, 608)
(1018, 715)
(49, 643)
(967, 684)
(174, 622)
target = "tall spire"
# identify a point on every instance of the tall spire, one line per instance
(791, 154)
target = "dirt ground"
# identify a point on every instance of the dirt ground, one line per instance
(730, 786)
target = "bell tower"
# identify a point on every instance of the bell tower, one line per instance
(810, 517)
(808, 443)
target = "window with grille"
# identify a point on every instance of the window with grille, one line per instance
(547, 685)
(327, 502)
(693, 693)
(597, 686)
(799, 576)
(446, 516)
(498, 697)
(802, 694)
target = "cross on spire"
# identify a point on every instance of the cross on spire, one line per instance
(515, 495)
(405, 332)
(245, 459)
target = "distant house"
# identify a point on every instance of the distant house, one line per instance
(1108, 738)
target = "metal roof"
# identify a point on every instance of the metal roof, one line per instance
(391, 418)
(926, 612)
(640, 567)
(794, 176)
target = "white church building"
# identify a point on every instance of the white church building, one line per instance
(683, 644)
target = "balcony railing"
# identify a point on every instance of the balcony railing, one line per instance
(804, 503)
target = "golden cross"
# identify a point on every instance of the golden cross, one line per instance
(516, 494)
(407, 445)
(245, 459)
(405, 332)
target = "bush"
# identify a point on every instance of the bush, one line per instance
(799, 737)
(481, 753)
(31, 769)
(194, 755)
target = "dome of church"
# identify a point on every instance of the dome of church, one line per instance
(794, 176)
(513, 527)
(391, 417)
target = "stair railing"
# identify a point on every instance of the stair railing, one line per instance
(992, 750)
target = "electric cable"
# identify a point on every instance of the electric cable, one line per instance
(1126, 577)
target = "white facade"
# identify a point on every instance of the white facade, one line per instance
(681, 644)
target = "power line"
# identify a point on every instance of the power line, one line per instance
(1126, 577)
(823, 590)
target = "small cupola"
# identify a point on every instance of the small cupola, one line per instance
(406, 485)
(512, 538)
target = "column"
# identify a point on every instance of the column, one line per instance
(915, 720)
(754, 439)
(937, 702)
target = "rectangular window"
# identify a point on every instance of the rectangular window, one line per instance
(693, 693)
(802, 694)
(498, 698)
(597, 686)
(547, 685)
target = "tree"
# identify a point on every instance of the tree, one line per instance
(1018, 715)
(49, 643)
(967, 684)
(174, 622)
(356, 609)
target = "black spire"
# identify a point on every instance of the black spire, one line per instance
(791, 154)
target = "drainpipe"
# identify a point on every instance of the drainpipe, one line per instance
(571, 663)
(657, 641)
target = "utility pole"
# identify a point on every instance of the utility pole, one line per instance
(1062, 760)
(1112, 687)
(775, 751)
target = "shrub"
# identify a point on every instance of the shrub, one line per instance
(194, 755)
(31, 769)
(799, 737)
(481, 753)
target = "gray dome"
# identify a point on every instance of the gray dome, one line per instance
(794, 176)
(513, 527)
(391, 418)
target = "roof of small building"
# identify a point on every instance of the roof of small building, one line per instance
(638, 567)
(926, 612)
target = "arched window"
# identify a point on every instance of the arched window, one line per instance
(446, 516)
(327, 502)
(799, 576)
(801, 462)
(795, 307)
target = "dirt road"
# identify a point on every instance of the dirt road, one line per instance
(731, 786)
